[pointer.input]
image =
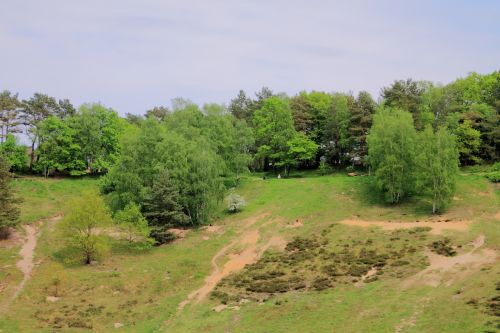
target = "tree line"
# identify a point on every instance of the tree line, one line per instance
(175, 164)
(62, 139)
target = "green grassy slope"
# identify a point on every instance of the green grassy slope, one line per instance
(142, 290)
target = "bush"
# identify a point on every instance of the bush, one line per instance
(162, 236)
(324, 168)
(443, 248)
(493, 176)
(349, 168)
(236, 203)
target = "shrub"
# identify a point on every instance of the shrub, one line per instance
(235, 203)
(443, 248)
(493, 176)
(321, 283)
(162, 236)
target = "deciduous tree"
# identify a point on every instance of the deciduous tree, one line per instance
(84, 223)
(391, 150)
(437, 165)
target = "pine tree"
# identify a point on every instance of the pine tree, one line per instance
(161, 206)
(9, 211)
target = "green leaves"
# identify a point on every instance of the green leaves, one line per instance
(15, 153)
(407, 162)
(391, 150)
(437, 165)
(9, 211)
(135, 226)
(84, 225)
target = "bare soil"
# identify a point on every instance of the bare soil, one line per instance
(250, 251)
(437, 227)
(449, 269)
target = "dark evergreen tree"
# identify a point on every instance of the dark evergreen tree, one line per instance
(9, 211)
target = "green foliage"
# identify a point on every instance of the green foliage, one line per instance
(273, 126)
(9, 210)
(391, 149)
(58, 150)
(135, 226)
(437, 165)
(337, 135)
(300, 149)
(9, 115)
(15, 153)
(493, 176)
(175, 169)
(406, 95)
(162, 205)
(97, 131)
(468, 142)
(84, 225)
(324, 168)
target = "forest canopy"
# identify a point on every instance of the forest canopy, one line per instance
(175, 164)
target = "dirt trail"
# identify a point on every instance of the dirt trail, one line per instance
(449, 269)
(250, 252)
(27, 253)
(25, 264)
(436, 226)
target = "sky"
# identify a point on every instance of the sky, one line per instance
(133, 55)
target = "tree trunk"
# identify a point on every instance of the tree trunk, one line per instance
(32, 154)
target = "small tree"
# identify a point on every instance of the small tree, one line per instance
(9, 211)
(131, 221)
(235, 203)
(84, 223)
(437, 165)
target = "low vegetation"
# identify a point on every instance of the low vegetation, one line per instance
(298, 253)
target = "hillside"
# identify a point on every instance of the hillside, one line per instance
(307, 254)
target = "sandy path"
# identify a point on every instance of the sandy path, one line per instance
(436, 227)
(449, 269)
(250, 252)
(25, 264)
(27, 253)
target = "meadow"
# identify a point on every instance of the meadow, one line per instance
(289, 233)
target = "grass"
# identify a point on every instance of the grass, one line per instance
(142, 289)
(46, 197)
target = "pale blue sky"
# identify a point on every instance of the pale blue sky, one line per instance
(133, 55)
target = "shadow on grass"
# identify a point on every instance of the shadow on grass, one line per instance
(69, 256)
(72, 256)
(369, 194)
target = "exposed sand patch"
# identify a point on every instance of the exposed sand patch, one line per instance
(368, 274)
(179, 233)
(14, 239)
(449, 269)
(437, 227)
(212, 229)
(25, 264)
(27, 253)
(249, 253)
(297, 224)
(497, 215)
